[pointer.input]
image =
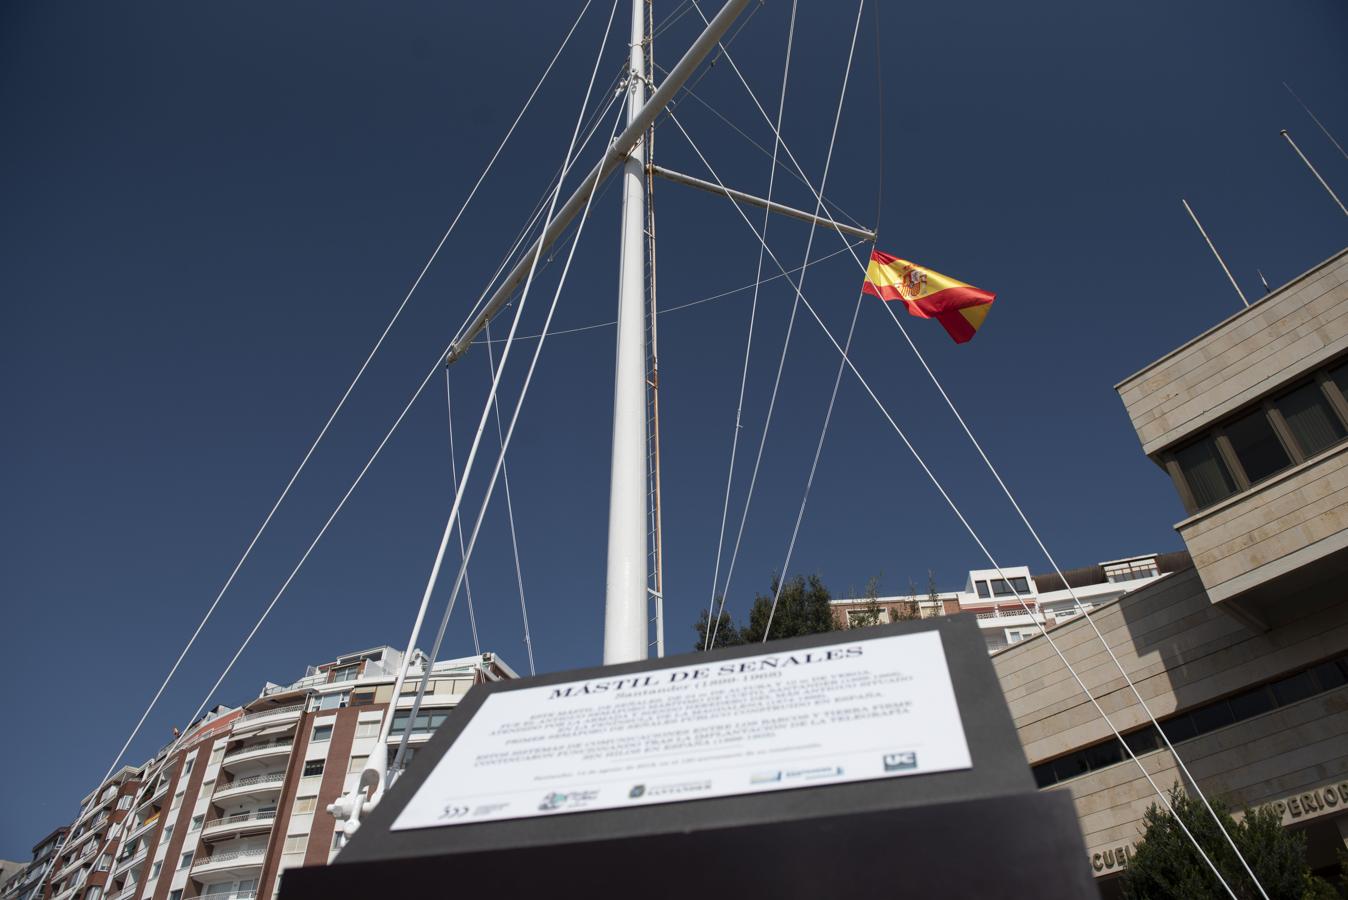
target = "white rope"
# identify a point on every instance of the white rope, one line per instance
(972, 533)
(337, 409)
(714, 615)
(510, 515)
(1081, 608)
(500, 459)
(800, 285)
(682, 306)
(454, 474)
(481, 427)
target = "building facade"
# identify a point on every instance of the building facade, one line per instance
(1243, 658)
(29, 883)
(227, 807)
(1011, 604)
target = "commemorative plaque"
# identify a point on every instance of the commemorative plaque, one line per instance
(824, 764)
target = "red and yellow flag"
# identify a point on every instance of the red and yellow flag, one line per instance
(959, 307)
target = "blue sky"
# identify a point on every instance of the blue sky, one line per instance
(210, 212)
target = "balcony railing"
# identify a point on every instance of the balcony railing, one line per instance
(250, 781)
(125, 862)
(267, 745)
(239, 818)
(239, 857)
(280, 710)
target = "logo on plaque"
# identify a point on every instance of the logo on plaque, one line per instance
(899, 762)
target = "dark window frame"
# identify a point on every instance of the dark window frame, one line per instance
(1338, 406)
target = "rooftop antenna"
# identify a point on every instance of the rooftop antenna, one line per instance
(1315, 120)
(1220, 261)
(1313, 172)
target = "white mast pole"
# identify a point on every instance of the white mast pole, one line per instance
(625, 584)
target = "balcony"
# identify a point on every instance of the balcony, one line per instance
(252, 784)
(267, 750)
(238, 825)
(231, 863)
(143, 827)
(125, 863)
(278, 713)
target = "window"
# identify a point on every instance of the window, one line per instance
(1205, 473)
(427, 721)
(196, 823)
(124, 802)
(1257, 447)
(321, 733)
(168, 832)
(154, 869)
(187, 767)
(982, 587)
(362, 698)
(176, 895)
(1309, 418)
(333, 701)
(295, 843)
(346, 673)
(1325, 676)
(357, 765)
(367, 729)
(185, 860)
(313, 767)
(305, 805)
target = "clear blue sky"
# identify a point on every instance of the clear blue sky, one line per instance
(210, 211)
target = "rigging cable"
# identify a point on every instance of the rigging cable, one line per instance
(340, 403)
(454, 475)
(972, 533)
(856, 313)
(375, 764)
(713, 614)
(1080, 607)
(500, 459)
(510, 512)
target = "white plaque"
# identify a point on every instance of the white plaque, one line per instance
(850, 711)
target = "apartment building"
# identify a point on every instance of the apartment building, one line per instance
(240, 797)
(1243, 658)
(1011, 604)
(28, 883)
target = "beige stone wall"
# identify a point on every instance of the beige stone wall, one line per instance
(1287, 522)
(1293, 329)
(1181, 652)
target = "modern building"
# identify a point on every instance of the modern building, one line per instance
(1243, 658)
(28, 884)
(1011, 604)
(241, 796)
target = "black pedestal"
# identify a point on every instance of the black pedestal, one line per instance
(979, 832)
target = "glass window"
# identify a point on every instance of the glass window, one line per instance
(185, 860)
(305, 805)
(295, 843)
(313, 767)
(321, 733)
(333, 701)
(357, 765)
(362, 698)
(1205, 473)
(175, 895)
(1105, 754)
(1178, 729)
(367, 729)
(1329, 675)
(982, 589)
(1000, 588)
(1143, 741)
(1340, 377)
(1290, 690)
(427, 721)
(1257, 446)
(1213, 716)
(1251, 703)
(196, 822)
(1021, 584)
(346, 673)
(1309, 418)
(1070, 766)
(1043, 775)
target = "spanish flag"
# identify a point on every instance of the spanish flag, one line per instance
(959, 307)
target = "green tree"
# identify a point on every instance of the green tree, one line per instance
(908, 609)
(802, 608)
(871, 612)
(727, 633)
(1167, 865)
